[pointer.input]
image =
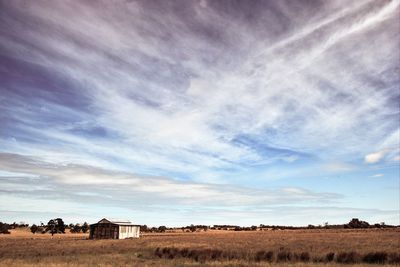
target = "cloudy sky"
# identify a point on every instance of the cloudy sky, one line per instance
(205, 112)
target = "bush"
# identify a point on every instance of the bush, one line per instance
(195, 254)
(347, 257)
(356, 223)
(85, 227)
(184, 252)
(394, 258)
(284, 256)
(264, 256)
(375, 257)
(77, 228)
(330, 256)
(4, 228)
(34, 228)
(304, 256)
(158, 252)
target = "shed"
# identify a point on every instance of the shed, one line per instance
(114, 229)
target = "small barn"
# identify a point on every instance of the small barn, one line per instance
(114, 229)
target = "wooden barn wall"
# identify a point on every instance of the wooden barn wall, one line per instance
(104, 231)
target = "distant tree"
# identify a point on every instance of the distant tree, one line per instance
(34, 228)
(356, 223)
(162, 228)
(144, 228)
(254, 228)
(192, 228)
(55, 226)
(85, 227)
(23, 225)
(13, 225)
(4, 228)
(41, 230)
(76, 228)
(310, 226)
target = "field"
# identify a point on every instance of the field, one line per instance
(211, 248)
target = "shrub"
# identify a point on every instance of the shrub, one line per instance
(347, 257)
(284, 256)
(305, 256)
(158, 252)
(264, 256)
(76, 228)
(4, 228)
(85, 227)
(375, 257)
(330, 256)
(184, 252)
(215, 254)
(394, 258)
(356, 223)
(200, 255)
(34, 228)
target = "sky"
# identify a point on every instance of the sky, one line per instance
(205, 112)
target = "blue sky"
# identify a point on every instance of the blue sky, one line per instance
(204, 112)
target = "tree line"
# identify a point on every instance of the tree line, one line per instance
(53, 226)
(352, 224)
(57, 226)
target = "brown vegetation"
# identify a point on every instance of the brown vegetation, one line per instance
(210, 248)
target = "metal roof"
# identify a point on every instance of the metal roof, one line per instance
(117, 221)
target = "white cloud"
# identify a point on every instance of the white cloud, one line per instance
(375, 157)
(338, 167)
(153, 189)
(378, 175)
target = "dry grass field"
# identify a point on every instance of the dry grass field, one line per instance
(211, 248)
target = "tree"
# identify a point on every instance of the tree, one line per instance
(34, 228)
(85, 227)
(76, 228)
(356, 223)
(4, 228)
(143, 228)
(192, 228)
(55, 226)
(162, 228)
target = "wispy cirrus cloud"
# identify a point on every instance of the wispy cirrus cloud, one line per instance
(200, 92)
(158, 189)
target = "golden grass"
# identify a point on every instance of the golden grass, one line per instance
(21, 248)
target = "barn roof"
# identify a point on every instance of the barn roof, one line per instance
(117, 221)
